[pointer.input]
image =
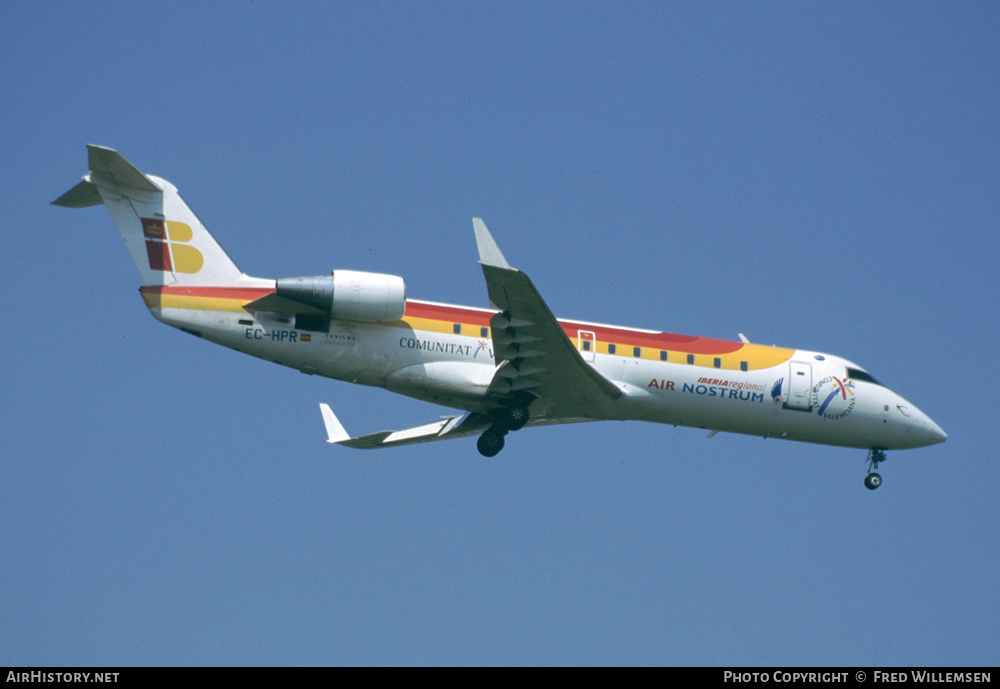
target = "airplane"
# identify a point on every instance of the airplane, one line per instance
(505, 368)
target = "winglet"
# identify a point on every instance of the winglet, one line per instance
(489, 252)
(335, 432)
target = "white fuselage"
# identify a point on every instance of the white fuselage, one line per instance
(805, 396)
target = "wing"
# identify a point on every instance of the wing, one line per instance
(448, 427)
(538, 367)
(536, 361)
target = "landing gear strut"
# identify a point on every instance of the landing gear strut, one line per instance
(875, 457)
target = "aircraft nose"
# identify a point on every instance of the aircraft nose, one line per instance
(937, 433)
(920, 427)
(929, 431)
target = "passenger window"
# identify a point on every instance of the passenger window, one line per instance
(743, 366)
(637, 352)
(612, 349)
(690, 358)
(663, 355)
(718, 362)
(484, 332)
(457, 328)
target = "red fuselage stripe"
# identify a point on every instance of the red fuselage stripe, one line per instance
(458, 314)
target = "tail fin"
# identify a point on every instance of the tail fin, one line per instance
(167, 241)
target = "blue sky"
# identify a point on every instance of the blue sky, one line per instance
(821, 176)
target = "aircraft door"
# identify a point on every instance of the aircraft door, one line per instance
(799, 386)
(587, 344)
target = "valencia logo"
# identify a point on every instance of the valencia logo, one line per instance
(835, 398)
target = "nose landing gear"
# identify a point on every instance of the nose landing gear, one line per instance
(875, 457)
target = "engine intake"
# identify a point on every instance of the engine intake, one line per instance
(349, 295)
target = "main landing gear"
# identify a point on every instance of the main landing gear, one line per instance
(875, 457)
(505, 420)
(491, 442)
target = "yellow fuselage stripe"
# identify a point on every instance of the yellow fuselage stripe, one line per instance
(755, 356)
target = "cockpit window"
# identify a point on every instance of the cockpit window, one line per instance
(858, 374)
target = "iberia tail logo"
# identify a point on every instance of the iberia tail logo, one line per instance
(167, 248)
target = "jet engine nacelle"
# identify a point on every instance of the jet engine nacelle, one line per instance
(350, 295)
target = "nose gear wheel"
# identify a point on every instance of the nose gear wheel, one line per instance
(873, 480)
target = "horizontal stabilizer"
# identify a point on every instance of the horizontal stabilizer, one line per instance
(83, 195)
(448, 427)
(111, 166)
